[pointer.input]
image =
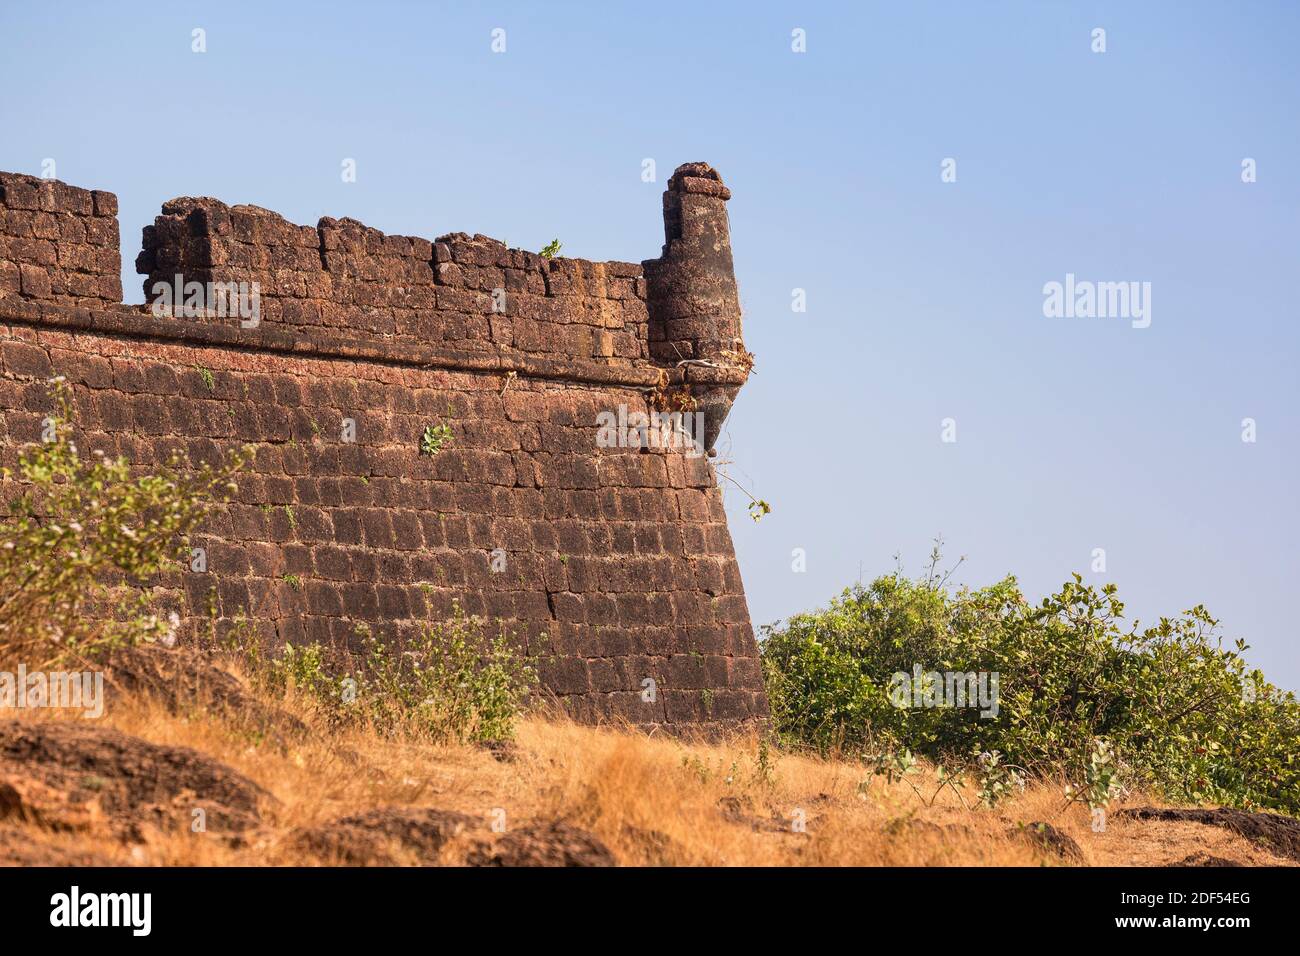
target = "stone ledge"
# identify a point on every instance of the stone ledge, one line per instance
(137, 322)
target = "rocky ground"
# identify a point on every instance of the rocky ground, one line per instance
(188, 767)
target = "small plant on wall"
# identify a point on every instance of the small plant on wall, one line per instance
(434, 439)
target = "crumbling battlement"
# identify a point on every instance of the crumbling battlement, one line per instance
(58, 243)
(612, 565)
(467, 291)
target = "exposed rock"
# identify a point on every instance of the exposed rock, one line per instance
(72, 776)
(390, 836)
(1048, 838)
(554, 844)
(384, 836)
(1204, 859)
(1272, 831)
(186, 680)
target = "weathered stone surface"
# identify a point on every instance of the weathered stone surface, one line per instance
(1272, 831)
(613, 566)
(67, 776)
(554, 844)
(1050, 840)
(186, 681)
(58, 242)
(385, 836)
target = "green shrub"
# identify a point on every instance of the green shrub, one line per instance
(1168, 707)
(450, 683)
(85, 539)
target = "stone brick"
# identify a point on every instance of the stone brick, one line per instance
(25, 361)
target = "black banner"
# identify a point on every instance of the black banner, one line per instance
(333, 906)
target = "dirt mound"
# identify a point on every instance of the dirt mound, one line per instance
(553, 844)
(71, 776)
(1279, 834)
(1048, 838)
(185, 680)
(386, 836)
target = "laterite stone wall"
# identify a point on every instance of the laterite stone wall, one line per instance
(611, 565)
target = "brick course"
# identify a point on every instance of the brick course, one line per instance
(618, 562)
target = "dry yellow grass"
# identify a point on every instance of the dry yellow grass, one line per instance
(653, 800)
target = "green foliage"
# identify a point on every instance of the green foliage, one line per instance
(997, 780)
(435, 438)
(764, 766)
(86, 539)
(1101, 783)
(899, 765)
(551, 250)
(451, 682)
(1173, 709)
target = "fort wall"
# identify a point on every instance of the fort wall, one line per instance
(613, 566)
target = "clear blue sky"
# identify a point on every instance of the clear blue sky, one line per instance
(924, 298)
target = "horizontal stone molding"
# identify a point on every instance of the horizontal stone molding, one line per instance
(142, 324)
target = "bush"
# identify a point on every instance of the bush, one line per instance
(81, 545)
(1175, 710)
(450, 683)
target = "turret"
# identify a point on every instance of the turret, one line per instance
(691, 296)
